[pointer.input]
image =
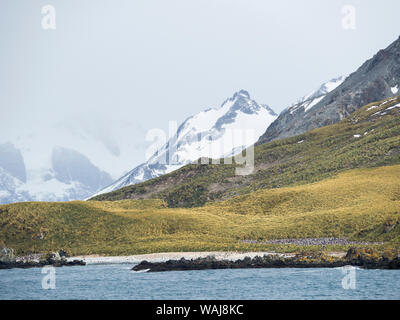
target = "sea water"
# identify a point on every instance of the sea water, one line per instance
(119, 282)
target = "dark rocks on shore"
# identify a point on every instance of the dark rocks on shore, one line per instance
(34, 264)
(55, 259)
(362, 258)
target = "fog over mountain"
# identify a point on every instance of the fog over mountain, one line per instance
(68, 160)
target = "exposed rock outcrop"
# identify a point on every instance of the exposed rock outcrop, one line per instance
(365, 258)
(55, 259)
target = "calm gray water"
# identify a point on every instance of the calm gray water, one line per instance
(119, 282)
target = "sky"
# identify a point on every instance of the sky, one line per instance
(139, 64)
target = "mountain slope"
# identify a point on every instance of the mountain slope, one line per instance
(369, 137)
(361, 205)
(376, 79)
(210, 133)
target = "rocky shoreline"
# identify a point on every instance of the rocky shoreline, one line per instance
(364, 258)
(35, 264)
(55, 259)
(165, 256)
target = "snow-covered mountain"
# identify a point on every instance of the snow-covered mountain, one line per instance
(67, 160)
(213, 133)
(376, 79)
(307, 102)
(299, 110)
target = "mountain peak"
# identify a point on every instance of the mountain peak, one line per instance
(242, 93)
(206, 134)
(238, 95)
(376, 79)
(325, 88)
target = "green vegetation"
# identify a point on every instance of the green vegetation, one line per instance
(362, 204)
(307, 158)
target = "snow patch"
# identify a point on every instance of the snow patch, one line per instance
(387, 101)
(313, 103)
(395, 106)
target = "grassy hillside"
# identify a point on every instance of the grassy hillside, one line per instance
(362, 204)
(365, 139)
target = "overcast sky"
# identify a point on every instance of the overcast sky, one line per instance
(150, 61)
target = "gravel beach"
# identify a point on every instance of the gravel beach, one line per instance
(165, 256)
